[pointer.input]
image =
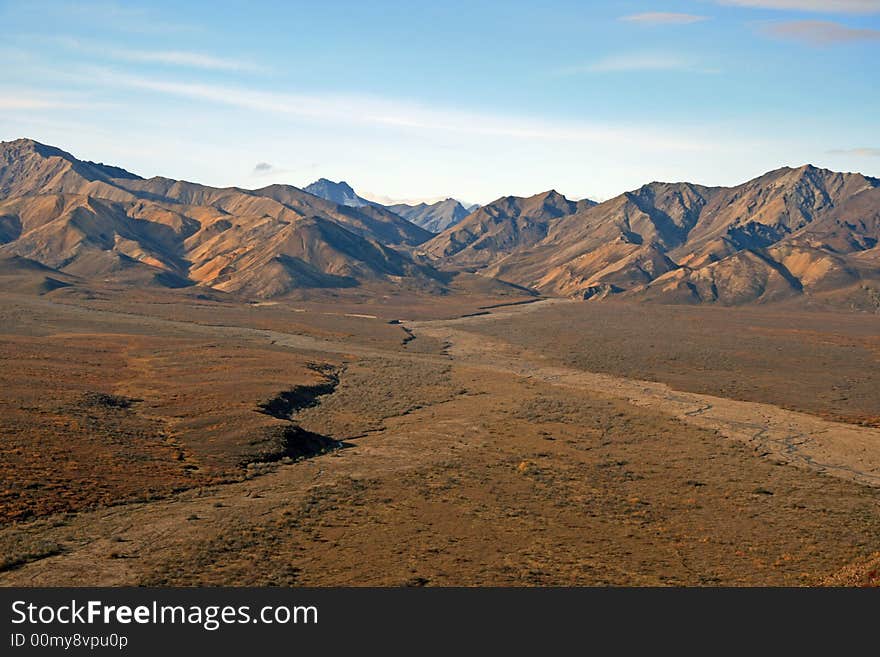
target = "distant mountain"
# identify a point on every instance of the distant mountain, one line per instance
(787, 233)
(500, 228)
(338, 192)
(434, 217)
(85, 220)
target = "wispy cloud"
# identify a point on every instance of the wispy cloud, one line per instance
(663, 18)
(17, 99)
(181, 58)
(633, 62)
(29, 104)
(819, 6)
(263, 168)
(184, 58)
(858, 152)
(359, 110)
(115, 15)
(821, 33)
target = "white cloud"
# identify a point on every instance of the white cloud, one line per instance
(182, 58)
(29, 103)
(16, 99)
(819, 6)
(821, 33)
(638, 62)
(347, 110)
(664, 18)
(216, 133)
(858, 152)
(114, 15)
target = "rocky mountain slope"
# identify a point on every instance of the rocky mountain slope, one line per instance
(433, 217)
(495, 230)
(94, 221)
(340, 193)
(787, 233)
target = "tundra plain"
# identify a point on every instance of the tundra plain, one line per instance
(155, 437)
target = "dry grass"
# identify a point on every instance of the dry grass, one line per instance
(374, 389)
(818, 362)
(456, 474)
(517, 485)
(98, 418)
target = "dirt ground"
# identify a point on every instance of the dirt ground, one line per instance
(455, 466)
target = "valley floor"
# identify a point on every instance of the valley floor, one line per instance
(474, 451)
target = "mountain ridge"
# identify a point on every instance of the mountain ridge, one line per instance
(793, 231)
(500, 227)
(82, 219)
(433, 217)
(338, 192)
(663, 240)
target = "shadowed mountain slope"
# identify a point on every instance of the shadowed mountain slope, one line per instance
(501, 227)
(433, 217)
(92, 220)
(791, 232)
(786, 233)
(340, 193)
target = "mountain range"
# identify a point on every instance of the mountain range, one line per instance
(433, 217)
(787, 233)
(94, 221)
(793, 232)
(500, 228)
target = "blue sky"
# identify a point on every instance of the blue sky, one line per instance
(414, 100)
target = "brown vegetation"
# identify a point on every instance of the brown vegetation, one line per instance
(819, 362)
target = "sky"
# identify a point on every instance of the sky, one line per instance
(423, 100)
